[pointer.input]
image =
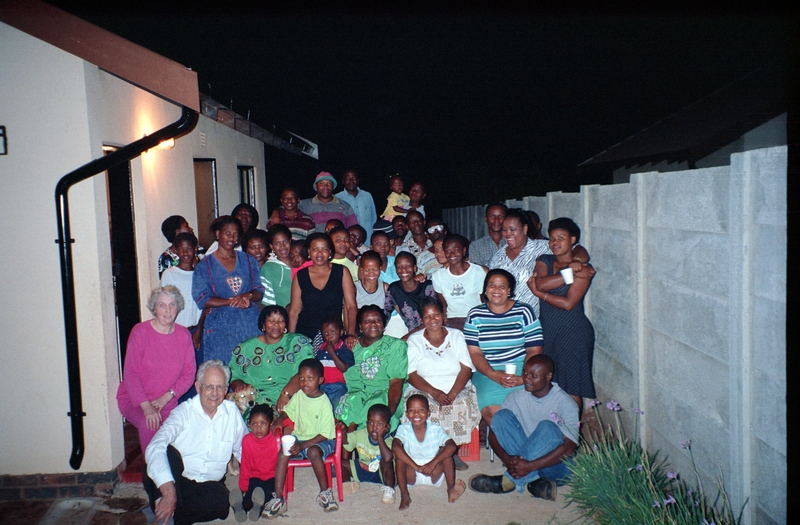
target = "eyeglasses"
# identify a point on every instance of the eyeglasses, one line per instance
(437, 228)
(214, 388)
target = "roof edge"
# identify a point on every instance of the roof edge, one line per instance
(123, 58)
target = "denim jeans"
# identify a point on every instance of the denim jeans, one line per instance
(544, 439)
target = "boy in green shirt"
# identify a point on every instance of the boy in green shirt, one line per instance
(315, 430)
(373, 461)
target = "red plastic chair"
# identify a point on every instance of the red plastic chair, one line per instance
(334, 461)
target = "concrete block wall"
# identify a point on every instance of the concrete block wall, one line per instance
(689, 310)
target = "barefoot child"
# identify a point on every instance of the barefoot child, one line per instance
(335, 357)
(257, 471)
(424, 453)
(373, 459)
(315, 430)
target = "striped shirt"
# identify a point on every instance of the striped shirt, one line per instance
(503, 338)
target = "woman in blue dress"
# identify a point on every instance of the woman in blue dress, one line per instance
(228, 284)
(569, 335)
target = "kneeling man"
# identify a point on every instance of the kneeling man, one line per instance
(188, 456)
(532, 433)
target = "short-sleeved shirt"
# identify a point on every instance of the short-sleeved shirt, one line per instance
(461, 292)
(350, 265)
(439, 366)
(522, 267)
(332, 373)
(531, 410)
(367, 450)
(312, 416)
(422, 452)
(503, 338)
(322, 212)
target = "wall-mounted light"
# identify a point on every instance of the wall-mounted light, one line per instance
(164, 144)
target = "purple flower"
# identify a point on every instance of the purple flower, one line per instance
(686, 443)
(637, 468)
(672, 475)
(670, 500)
(638, 411)
(593, 403)
(613, 405)
(688, 492)
(656, 504)
(554, 417)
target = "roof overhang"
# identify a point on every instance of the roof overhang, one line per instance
(122, 58)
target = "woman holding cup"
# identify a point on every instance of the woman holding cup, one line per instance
(501, 334)
(570, 335)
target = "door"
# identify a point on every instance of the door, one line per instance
(123, 252)
(205, 190)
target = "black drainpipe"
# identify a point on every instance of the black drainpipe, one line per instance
(180, 127)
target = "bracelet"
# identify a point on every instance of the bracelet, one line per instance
(172, 392)
(577, 259)
(544, 300)
(287, 394)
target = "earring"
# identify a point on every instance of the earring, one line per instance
(285, 330)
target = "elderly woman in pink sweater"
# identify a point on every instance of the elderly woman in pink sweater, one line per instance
(159, 365)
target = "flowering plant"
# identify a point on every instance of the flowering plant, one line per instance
(616, 481)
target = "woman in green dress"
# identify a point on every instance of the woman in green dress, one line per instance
(269, 361)
(379, 372)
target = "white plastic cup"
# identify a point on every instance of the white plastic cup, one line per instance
(287, 442)
(511, 369)
(566, 273)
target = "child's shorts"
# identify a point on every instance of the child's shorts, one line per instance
(363, 475)
(328, 447)
(422, 480)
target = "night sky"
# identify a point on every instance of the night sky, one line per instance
(478, 105)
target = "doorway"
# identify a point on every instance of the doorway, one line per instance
(123, 253)
(205, 191)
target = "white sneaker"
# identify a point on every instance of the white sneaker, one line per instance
(388, 495)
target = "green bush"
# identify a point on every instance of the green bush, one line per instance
(615, 481)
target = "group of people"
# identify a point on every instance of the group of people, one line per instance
(401, 333)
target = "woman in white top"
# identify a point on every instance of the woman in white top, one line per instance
(439, 367)
(458, 287)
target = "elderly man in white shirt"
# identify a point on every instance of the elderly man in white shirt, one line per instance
(188, 456)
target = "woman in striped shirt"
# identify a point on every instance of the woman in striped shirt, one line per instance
(499, 332)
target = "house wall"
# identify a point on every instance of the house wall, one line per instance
(689, 310)
(59, 111)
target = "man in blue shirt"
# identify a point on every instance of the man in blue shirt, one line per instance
(360, 200)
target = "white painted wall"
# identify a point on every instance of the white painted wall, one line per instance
(59, 111)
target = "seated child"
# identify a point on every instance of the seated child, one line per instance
(341, 247)
(397, 202)
(373, 459)
(257, 470)
(336, 358)
(424, 452)
(315, 430)
(298, 254)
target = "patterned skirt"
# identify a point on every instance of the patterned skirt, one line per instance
(458, 419)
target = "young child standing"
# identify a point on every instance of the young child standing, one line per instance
(373, 460)
(424, 452)
(257, 470)
(397, 202)
(171, 227)
(180, 276)
(315, 430)
(336, 358)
